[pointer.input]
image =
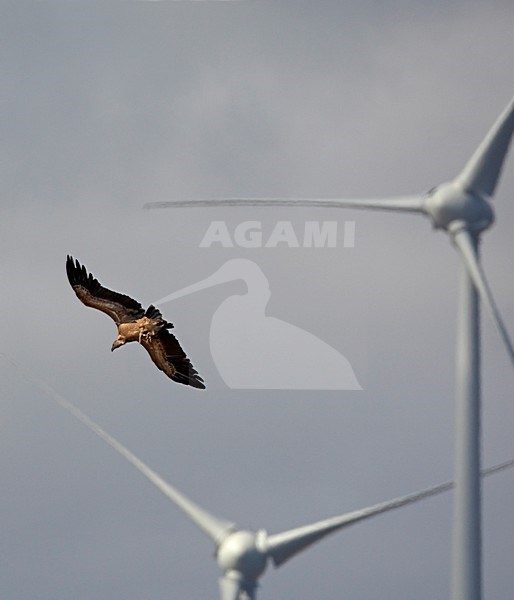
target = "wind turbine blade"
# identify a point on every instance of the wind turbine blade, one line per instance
(402, 203)
(465, 244)
(217, 529)
(283, 546)
(482, 172)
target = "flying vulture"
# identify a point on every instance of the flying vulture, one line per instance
(135, 324)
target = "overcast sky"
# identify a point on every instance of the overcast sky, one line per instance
(109, 105)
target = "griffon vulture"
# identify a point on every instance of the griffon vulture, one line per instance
(135, 324)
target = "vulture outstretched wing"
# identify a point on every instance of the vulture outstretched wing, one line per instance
(167, 354)
(119, 307)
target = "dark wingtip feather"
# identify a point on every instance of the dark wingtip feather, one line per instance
(153, 313)
(77, 273)
(72, 270)
(186, 374)
(193, 380)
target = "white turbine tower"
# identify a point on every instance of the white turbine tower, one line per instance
(241, 554)
(462, 208)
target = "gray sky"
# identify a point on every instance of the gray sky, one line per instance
(106, 106)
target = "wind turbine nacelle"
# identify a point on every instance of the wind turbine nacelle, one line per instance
(240, 552)
(449, 202)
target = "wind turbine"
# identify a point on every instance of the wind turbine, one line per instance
(241, 554)
(461, 208)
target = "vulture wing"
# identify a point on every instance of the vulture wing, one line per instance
(166, 353)
(119, 307)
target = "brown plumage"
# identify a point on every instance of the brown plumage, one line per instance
(135, 324)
